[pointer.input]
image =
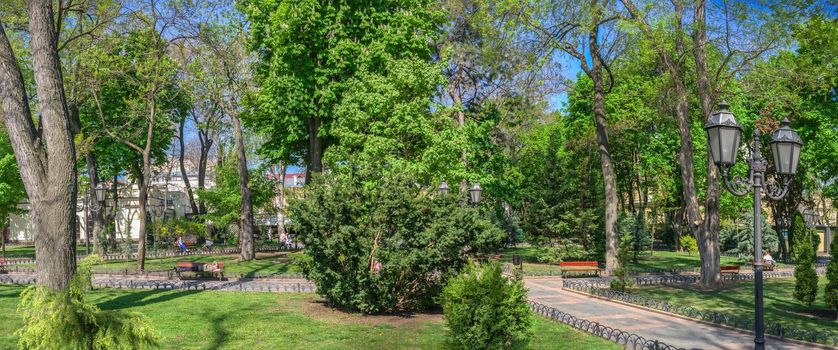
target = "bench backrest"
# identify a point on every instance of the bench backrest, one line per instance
(729, 267)
(579, 263)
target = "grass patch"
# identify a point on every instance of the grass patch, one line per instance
(265, 263)
(737, 298)
(233, 320)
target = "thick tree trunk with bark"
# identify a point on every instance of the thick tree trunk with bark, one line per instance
(708, 233)
(183, 173)
(46, 158)
(280, 207)
(608, 177)
(142, 200)
(98, 213)
(315, 148)
(206, 145)
(246, 226)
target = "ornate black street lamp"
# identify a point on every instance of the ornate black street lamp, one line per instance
(723, 136)
(443, 188)
(476, 191)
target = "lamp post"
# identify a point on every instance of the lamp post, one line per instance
(443, 188)
(475, 192)
(723, 137)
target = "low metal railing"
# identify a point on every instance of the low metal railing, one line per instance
(772, 327)
(627, 339)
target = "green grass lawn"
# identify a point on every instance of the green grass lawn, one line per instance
(661, 260)
(232, 320)
(738, 298)
(28, 251)
(265, 263)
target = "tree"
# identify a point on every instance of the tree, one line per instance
(137, 67)
(742, 237)
(766, 25)
(307, 53)
(577, 29)
(806, 278)
(45, 154)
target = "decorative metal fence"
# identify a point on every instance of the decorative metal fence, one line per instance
(300, 287)
(627, 339)
(773, 328)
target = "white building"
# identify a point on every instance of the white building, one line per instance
(167, 198)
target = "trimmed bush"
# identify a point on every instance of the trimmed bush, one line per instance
(806, 278)
(831, 295)
(388, 245)
(688, 244)
(485, 310)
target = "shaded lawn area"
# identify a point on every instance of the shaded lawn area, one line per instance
(28, 251)
(265, 263)
(673, 260)
(234, 320)
(662, 260)
(737, 298)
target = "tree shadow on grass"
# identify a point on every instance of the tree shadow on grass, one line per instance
(137, 298)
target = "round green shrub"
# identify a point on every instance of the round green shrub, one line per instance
(486, 310)
(385, 245)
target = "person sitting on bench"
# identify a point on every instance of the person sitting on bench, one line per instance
(767, 259)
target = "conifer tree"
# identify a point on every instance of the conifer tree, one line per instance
(806, 279)
(831, 294)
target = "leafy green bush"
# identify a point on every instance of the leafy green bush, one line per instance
(688, 244)
(63, 320)
(831, 295)
(178, 227)
(485, 310)
(622, 281)
(385, 246)
(566, 251)
(806, 279)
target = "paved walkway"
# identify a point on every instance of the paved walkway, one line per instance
(651, 325)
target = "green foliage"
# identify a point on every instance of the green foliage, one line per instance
(63, 320)
(688, 244)
(622, 281)
(567, 250)
(485, 310)
(178, 227)
(830, 296)
(806, 278)
(11, 185)
(742, 237)
(385, 246)
(634, 226)
(224, 200)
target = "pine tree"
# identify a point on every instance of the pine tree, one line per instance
(831, 294)
(806, 279)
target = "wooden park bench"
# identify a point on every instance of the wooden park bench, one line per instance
(579, 267)
(765, 267)
(729, 269)
(214, 269)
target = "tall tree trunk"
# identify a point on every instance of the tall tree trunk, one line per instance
(206, 145)
(608, 177)
(142, 203)
(315, 148)
(454, 92)
(246, 227)
(183, 173)
(708, 234)
(46, 159)
(98, 213)
(280, 212)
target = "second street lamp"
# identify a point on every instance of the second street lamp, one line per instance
(475, 193)
(723, 137)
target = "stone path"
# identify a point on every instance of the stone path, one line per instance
(650, 325)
